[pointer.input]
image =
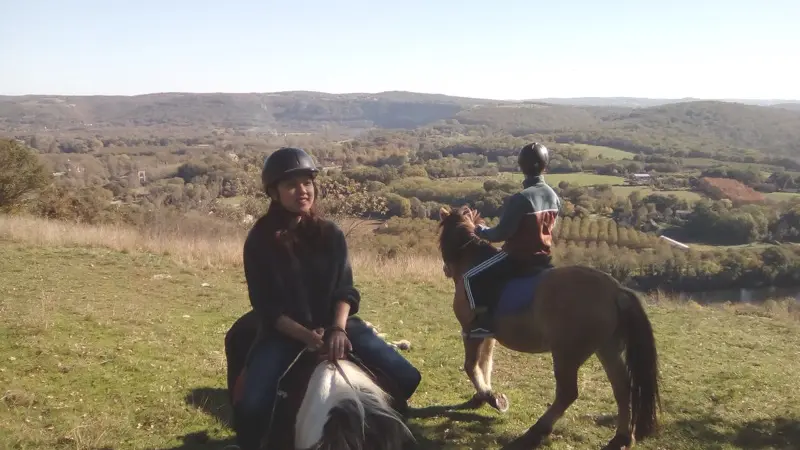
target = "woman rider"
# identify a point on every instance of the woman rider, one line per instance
(300, 284)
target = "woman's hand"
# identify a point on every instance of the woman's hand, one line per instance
(338, 343)
(314, 339)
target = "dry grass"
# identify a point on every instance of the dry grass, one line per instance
(195, 248)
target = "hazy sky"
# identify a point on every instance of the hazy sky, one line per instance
(489, 48)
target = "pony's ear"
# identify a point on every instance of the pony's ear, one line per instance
(443, 213)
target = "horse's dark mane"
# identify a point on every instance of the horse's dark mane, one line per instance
(458, 240)
(343, 431)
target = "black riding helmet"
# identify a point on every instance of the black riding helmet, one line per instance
(284, 163)
(533, 159)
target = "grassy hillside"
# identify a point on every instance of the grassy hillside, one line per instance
(109, 326)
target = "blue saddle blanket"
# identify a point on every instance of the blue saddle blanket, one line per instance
(517, 294)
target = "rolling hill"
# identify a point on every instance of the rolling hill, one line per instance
(714, 126)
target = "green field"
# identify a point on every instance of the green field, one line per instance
(599, 151)
(577, 179)
(105, 349)
(782, 196)
(624, 191)
(462, 186)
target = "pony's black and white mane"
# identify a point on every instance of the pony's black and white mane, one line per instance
(347, 410)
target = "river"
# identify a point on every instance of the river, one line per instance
(743, 295)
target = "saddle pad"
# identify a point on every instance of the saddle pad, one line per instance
(517, 294)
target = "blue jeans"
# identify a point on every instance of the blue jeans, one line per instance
(267, 363)
(377, 354)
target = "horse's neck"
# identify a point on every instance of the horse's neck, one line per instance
(475, 253)
(480, 252)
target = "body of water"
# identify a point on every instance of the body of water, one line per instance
(742, 295)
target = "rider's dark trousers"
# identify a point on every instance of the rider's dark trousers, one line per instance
(484, 282)
(479, 281)
(271, 358)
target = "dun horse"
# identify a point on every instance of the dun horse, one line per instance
(572, 312)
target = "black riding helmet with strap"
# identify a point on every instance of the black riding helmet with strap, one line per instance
(285, 163)
(533, 159)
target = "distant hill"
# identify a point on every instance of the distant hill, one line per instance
(708, 126)
(627, 123)
(746, 127)
(625, 102)
(641, 102)
(790, 106)
(292, 111)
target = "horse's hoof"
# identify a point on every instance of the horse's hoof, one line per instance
(619, 442)
(499, 402)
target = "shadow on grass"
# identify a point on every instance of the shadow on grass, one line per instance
(212, 401)
(201, 441)
(458, 426)
(714, 433)
(775, 433)
(461, 427)
(215, 403)
(455, 423)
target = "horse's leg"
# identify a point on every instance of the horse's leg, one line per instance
(565, 368)
(611, 358)
(472, 347)
(485, 364)
(486, 360)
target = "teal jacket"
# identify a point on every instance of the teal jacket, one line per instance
(528, 221)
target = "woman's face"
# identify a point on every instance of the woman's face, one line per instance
(296, 194)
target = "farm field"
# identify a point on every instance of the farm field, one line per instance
(782, 196)
(599, 151)
(624, 191)
(578, 179)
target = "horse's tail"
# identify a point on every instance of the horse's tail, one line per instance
(642, 361)
(337, 408)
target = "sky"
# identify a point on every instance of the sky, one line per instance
(498, 49)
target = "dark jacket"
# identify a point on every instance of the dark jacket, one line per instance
(304, 282)
(527, 222)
